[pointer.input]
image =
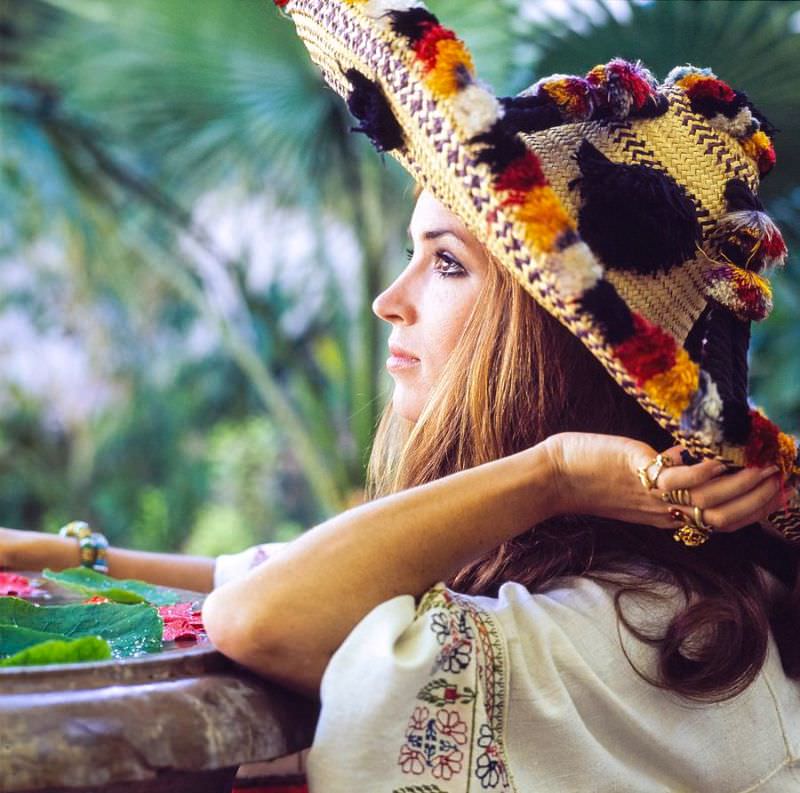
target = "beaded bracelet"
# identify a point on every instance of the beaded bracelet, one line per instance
(93, 545)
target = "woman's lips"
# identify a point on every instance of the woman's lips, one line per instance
(398, 362)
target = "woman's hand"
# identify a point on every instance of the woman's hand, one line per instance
(597, 475)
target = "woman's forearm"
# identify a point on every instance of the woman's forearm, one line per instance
(38, 551)
(286, 618)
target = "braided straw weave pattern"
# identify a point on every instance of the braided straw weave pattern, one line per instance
(440, 158)
(676, 299)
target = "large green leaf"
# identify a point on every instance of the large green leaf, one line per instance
(14, 639)
(60, 651)
(92, 583)
(129, 630)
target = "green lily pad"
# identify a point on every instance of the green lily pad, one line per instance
(91, 583)
(129, 630)
(60, 651)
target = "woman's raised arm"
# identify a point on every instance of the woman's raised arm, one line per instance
(287, 617)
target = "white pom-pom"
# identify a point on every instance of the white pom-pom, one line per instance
(379, 9)
(742, 125)
(679, 72)
(475, 109)
(704, 414)
(576, 269)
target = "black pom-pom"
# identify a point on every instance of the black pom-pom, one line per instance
(736, 422)
(500, 148)
(655, 105)
(739, 196)
(369, 105)
(766, 125)
(529, 114)
(710, 106)
(609, 310)
(412, 23)
(634, 217)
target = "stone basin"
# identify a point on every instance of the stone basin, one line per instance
(181, 720)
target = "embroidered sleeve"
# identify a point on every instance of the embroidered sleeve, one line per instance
(231, 566)
(417, 699)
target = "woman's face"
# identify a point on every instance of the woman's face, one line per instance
(429, 302)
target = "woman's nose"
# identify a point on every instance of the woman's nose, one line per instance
(395, 303)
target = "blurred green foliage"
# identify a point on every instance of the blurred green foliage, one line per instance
(191, 239)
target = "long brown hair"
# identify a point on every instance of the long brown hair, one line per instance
(518, 376)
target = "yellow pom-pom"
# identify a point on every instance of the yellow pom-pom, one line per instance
(597, 75)
(755, 144)
(787, 452)
(452, 59)
(544, 217)
(672, 390)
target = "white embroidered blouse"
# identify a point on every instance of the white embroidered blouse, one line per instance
(533, 693)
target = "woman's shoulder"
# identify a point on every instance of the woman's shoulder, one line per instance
(583, 602)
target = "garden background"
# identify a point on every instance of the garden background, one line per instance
(190, 241)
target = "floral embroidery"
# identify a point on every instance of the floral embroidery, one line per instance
(457, 736)
(433, 741)
(489, 767)
(453, 632)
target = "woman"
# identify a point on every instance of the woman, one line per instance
(566, 653)
(578, 649)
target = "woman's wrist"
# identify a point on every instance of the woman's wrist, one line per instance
(556, 496)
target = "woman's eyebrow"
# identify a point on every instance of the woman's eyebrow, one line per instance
(436, 233)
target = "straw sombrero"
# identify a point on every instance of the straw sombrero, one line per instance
(628, 209)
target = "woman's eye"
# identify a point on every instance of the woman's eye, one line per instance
(451, 266)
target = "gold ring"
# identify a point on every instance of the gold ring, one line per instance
(698, 521)
(691, 536)
(660, 462)
(682, 497)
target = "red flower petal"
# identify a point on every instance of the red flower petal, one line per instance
(181, 622)
(13, 584)
(96, 599)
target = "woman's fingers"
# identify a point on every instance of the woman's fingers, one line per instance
(727, 487)
(688, 477)
(742, 510)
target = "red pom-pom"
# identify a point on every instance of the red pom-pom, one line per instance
(281, 3)
(426, 46)
(774, 247)
(763, 447)
(632, 81)
(766, 160)
(650, 351)
(713, 88)
(520, 177)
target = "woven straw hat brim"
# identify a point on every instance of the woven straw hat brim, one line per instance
(439, 152)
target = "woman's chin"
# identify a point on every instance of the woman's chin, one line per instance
(405, 405)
